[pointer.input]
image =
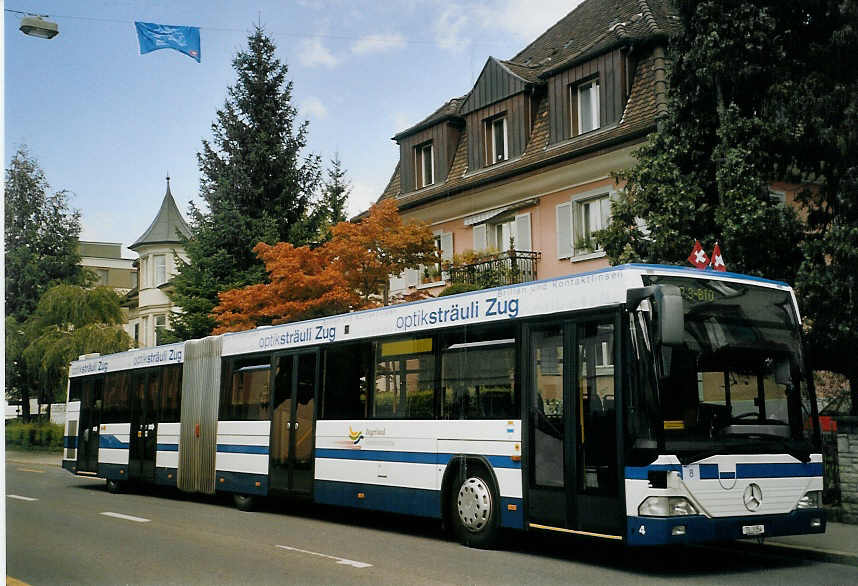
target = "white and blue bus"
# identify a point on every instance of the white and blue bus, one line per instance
(644, 404)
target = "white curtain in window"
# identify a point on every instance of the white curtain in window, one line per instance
(564, 230)
(522, 229)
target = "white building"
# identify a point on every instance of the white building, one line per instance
(149, 306)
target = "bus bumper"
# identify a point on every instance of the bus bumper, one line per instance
(697, 528)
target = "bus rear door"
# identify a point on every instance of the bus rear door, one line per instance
(144, 397)
(92, 396)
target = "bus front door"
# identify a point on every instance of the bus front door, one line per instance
(294, 398)
(92, 395)
(143, 435)
(572, 458)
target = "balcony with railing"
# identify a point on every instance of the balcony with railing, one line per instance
(493, 270)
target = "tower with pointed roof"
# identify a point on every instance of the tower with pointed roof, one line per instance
(149, 306)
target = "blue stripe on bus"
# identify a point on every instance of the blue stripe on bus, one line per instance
(168, 447)
(241, 482)
(399, 499)
(778, 470)
(241, 449)
(711, 471)
(112, 442)
(70, 442)
(407, 457)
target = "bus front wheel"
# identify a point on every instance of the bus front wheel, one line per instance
(475, 510)
(244, 502)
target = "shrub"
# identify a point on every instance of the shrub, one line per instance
(37, 435)
(459, 288)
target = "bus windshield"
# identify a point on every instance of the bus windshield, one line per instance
(737, 379)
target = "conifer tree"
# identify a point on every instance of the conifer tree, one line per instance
(256, 183)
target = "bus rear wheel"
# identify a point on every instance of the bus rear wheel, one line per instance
(474, 510)
(114, 485)
(244, 502)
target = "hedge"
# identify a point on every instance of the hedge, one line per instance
(38, 435)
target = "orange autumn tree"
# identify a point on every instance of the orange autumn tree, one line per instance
(303, 284)
(381, 245)
(347, 273)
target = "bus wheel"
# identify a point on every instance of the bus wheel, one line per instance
(114, 486)
(475, 510)
(243, 502)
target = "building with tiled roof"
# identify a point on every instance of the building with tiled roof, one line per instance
(149, 305)
(526, 157)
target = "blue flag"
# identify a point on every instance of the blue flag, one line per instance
(185, 39)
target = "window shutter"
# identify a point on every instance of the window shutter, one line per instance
(447, 246)
(480, 237)
(522, 228)
(564, 230)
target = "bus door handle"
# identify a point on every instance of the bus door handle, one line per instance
(297, 425)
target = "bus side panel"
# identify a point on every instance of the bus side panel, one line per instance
(113, 450)
(70, 435)
(167, 454)
(398, 466)
(241, 461)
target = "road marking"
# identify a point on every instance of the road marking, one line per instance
(342, 561)
(126, 517)
(31, 470)
(10, 581)
(21, 498)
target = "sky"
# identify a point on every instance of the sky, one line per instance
(108, 124)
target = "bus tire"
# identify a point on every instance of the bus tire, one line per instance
(474, 509)
(114, 486)
(244, 502)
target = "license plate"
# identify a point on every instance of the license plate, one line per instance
(753, 529)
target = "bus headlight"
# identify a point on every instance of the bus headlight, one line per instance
(666, 506)
(810, 500)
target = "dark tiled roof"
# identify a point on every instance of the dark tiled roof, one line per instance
(168, 226)
(596, 25)
(447, 111)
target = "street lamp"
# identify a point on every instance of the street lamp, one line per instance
(35, 26)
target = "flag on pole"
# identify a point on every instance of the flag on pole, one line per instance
(718, 259)
(185, 39)
(698, 256)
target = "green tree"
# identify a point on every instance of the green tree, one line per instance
(41, 250)
(256, 184)
(828, 277)
(331, 207)
(730, 130)
(760, 91)
(70, 321)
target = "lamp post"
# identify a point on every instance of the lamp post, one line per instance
(35, 26)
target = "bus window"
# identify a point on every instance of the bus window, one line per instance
(347, 374)
(404, 379)
(171, 393)
(478, 376)
(74, 390)
(117, 408)
(247, 395)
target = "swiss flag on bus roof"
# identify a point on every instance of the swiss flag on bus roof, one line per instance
(718, 259)
(698, 256)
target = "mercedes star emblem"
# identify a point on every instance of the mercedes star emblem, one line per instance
(753, 497)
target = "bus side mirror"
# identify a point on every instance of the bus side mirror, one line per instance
(670, 311)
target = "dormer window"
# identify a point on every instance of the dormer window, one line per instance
(424, 163)
(585, 107)
(497, 144)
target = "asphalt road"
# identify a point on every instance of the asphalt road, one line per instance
(62, 529)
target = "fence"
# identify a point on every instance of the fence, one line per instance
(505, 268)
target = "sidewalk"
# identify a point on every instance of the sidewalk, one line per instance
(839, 543)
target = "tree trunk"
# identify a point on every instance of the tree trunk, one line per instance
(25, 403)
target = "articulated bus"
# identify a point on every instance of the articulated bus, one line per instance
(643, 404)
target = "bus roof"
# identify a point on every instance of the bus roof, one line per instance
(600, 288)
